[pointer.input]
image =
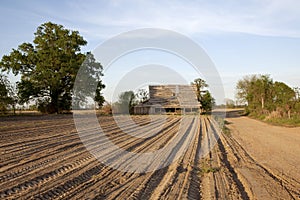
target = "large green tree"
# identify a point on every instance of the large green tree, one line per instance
(263, 90)
(284, 97)
(48, 67)
(88, 83)
(255, 91)
(207, 101)
(200, 85)
(203, 95)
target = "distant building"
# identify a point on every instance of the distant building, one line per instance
(164, 99)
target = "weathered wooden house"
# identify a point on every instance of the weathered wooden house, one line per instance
(164, 99)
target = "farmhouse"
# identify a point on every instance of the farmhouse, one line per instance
(164, 99)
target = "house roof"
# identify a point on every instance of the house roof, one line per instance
(172, 96)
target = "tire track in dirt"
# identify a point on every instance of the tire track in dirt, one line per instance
(156, 184)
(37, 181)
(9, 176)
(131, 188)
(113, 173)
(218, 172)
(180, 181)
(85, 175)
(244, 159)
(44, 178)
(37, 147)
(223, 158)
(207, 181)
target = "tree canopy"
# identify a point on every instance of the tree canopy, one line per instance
(204, 96)
(255, 90)
(48, 67)
(262, 95)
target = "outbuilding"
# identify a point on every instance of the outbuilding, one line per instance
(170, 99)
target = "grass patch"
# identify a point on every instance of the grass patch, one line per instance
(207, 169)
(258, 116)
(226, 130)
(293, 122)
(222, 124)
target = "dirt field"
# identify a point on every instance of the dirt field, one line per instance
(42, 157)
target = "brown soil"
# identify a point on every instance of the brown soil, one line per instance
(271, 170)
(42, 157)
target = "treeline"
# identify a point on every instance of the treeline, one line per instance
(268, 99)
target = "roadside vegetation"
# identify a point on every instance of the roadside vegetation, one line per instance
(271, 101)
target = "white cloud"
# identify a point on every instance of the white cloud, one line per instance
(264, 17)
(106, 18)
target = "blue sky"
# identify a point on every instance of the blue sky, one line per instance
(241, 37)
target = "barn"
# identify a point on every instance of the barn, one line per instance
(170, 99)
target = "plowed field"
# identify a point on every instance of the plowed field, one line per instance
(43, 157)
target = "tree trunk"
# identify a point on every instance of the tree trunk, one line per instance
(14, 109)
(262, 103)
(53, 107)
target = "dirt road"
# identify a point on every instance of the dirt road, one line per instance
(271, 160)
(43, 158)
